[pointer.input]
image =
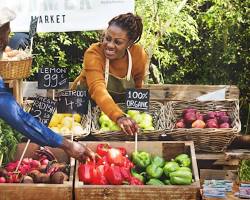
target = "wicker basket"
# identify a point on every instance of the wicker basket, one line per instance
(85, 121)
(156, 109)
(206, 139)
(15, 69)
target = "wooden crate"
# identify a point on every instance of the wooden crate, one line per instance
(171, 192)
(21, 191)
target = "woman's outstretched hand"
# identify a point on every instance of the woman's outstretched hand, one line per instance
(128, 125)
(77, 150)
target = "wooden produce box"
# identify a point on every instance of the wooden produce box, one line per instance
(39, 191)
(167, 192)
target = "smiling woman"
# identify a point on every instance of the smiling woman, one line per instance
(114, 65)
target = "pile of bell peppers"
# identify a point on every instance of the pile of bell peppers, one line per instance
(154, 170)
(111, 167)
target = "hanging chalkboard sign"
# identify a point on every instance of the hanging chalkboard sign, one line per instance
(73, 101)
(53, 78)
(43, 108)
(33, 26)
(137, 99)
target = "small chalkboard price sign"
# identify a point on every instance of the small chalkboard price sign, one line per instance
(73, 101)
(137, 99)
(33, 27)
(53, 78)
(43, 108)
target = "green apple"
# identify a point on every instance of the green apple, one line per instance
(137, 118)
(103, 118)
(145, 124)
(145, 117)
(131, 113)
(115, 127)
(107, 123)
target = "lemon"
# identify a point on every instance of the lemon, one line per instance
(77, 117)
(67, 122)
(54, 120)
(65, 130)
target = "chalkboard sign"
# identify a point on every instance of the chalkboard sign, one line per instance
(73, 101)
(43, 108)
(33, 27)
(137, 99)
(53, 78)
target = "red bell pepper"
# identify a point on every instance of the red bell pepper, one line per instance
(86, 172)
(102, 161)
(127, 163)
(122, 150)
(102, 149)
(98, 177)
(114, 156)
(135, 181)
(125, 173)
(113, 175)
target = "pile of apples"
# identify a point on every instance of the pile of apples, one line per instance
(191, 118)
(65, 124)
(143, 119)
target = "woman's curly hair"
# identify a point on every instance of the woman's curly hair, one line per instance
(130, 23)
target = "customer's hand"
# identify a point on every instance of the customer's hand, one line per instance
(77, 150)
(128, 125)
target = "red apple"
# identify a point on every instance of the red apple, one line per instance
(180, 124)
(225, 125)
(212, 123)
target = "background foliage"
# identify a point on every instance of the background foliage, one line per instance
(206, 43)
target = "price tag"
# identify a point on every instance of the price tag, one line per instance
(33, 27)
(53, 78)
(43, 108)
(73, 101)
(137, 99)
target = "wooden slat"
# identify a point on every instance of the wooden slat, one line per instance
(187, 92)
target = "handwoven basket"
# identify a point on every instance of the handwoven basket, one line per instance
(156, 109)
(15, 69)
(206, 139)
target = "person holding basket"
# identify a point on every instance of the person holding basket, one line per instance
(16, 117)
(114, 65)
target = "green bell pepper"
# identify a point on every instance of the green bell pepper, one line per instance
(153, 171)
(170, 167)
(154, 181)
(181, 177)
(183, 160)
(185, 168)
(137, 175)
(141, 159)
(159, 161)
(167, 182)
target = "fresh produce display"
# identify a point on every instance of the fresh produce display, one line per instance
(113, 167)
(192, 118)
(65, 124)
(154, 170)
(9, 138)
(45, 169)
(143, 119)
